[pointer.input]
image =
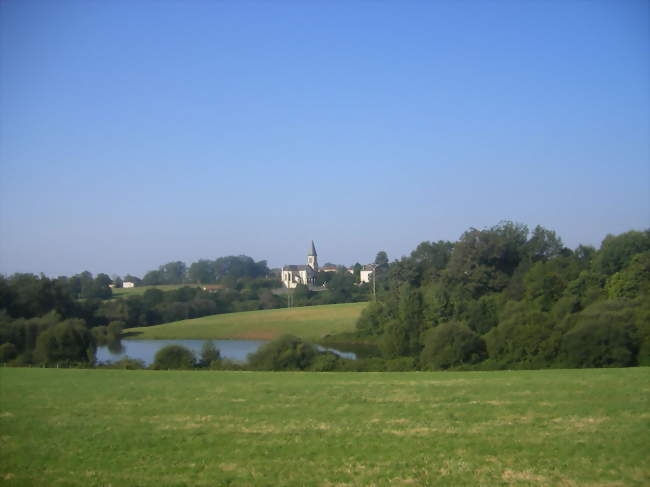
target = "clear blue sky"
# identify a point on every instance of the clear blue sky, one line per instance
(133, 133)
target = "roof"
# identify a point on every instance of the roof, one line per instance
(313, 250)
(295, 268)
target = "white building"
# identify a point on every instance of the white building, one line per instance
(127, 284)
(366, 273)
(292, 275)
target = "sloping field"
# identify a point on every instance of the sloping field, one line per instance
(134, 291)
(310, 322)
(154, 428)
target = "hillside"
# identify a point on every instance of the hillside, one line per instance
(309, 322)
(157, 428)
(135, 291)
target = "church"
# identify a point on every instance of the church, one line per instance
(292, 275)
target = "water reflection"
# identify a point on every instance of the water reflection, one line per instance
(145, 350)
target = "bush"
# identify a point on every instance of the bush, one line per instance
(8, 351)
(451, 344)
(604, 336)
(174, 357)
(286, 353)
(401, 364)
(372, 364)
(209, 354)
(395, 341)
(68, 341)
(326, 362)
(524, 339)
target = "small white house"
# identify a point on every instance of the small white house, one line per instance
(127, 284)
(366, 273)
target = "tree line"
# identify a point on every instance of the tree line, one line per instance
(63, 320)
(506, 297)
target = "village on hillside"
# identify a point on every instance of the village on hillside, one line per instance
(307, 274)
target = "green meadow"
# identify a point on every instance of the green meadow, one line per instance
(98, 427)
(309, 322)
(139, 290)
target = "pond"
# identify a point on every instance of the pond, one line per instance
(145, 350)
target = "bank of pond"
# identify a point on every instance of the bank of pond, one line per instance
(287, 352)
(145, 350)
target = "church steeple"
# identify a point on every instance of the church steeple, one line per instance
(312, 258)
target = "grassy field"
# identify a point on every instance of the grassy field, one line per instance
(309, 322)
(154, 428)
(134, 291)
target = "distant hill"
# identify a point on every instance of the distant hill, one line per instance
(309, 322)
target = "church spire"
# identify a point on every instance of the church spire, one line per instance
(312, 259)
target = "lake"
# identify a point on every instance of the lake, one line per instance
(145, 350)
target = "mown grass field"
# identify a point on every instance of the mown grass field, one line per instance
(309, 322)
(134, 291)
(158, 428)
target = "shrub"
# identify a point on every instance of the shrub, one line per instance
(401, 364)
(68, 341)
(395, 341)
(209, 354)
(8, 351)
(604, 336)
(326, 362)
(524, 339)
(285, 353)
(451, 344)
(174, 357)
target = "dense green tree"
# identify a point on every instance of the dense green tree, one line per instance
(174, 357)
(483, 260)
(616, 252)
(8, 352)
(371, 321)
(451, 344)
(430, 259)
(632, 281)
(410, 316)
(524, 338)
(153, 278)
(153, 297)
(209, 353)
(341, 286)
(395, 340)
(285, 353)
(545, 281)
(67, 341)
(604, 336)
(543, 245)
(380, 274)
(483, 314)
(356, 272)
(202, 272)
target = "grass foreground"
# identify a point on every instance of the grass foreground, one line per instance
(308, 322)
(157, 428)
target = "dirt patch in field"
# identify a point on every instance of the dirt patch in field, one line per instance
(492, 402)
(578, 423)
(512, 476)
